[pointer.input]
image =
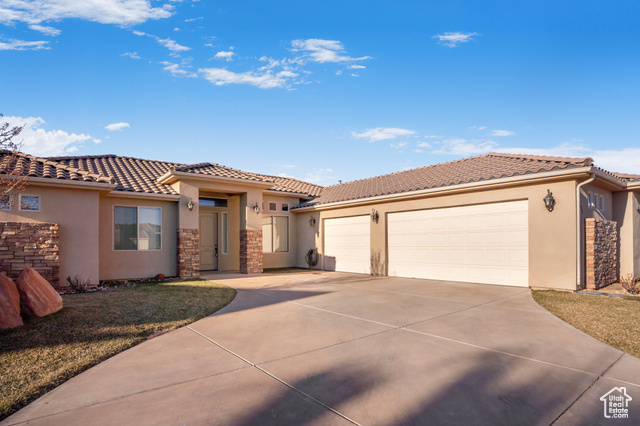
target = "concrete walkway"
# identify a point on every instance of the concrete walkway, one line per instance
(333, 348)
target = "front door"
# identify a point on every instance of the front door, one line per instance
(208, 241)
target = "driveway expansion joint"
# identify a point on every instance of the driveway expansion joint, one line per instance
(304, 395)
(587, 388)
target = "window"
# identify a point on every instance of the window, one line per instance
(30, 203)
(137, 228)
(596, 201)
(272, 207)
(285, 207)
(225, 234)
(5, 202)
(213, 202)
(275, 234)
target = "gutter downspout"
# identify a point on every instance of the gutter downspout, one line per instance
(579, 233)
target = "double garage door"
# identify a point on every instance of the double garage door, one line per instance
(485, 243)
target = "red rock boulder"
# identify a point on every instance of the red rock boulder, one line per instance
(9, 303)
(37, 296)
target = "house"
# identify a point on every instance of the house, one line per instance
(543, 222)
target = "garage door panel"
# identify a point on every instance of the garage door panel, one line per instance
(347, 244)
(482, 243)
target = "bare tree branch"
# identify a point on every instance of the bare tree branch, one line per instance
(12, 180)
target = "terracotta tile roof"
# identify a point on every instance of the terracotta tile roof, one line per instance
(139, 175)
(627, 177)
(28, 165)
(281, 184)
(467, 170)
(131, 174)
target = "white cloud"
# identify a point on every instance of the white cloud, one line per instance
(356, 67)
(355, 75)
(172, 45)
(424, 145)
(317, 50)
(502, 133)
(194, 19)
(465, 148)
(339, 72)
(382, 133)
(12, 44)
(37, 141)
(624, 160)
(118, 12)
(132, 55)
(263, 80)
(227, 56)
(175, 69)
(398, 145)
(321, 177)
(97, 141)
(166, 42)
(117, 126)
(50, 31)
(454, 39)
(478, 127)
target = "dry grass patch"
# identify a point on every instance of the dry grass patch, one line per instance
(612, 320)
(91, 327)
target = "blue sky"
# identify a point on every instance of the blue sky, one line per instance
(323, 90)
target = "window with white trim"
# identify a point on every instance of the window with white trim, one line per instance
(137, 228)
(275, 234)
(272, 207)
(29, 203)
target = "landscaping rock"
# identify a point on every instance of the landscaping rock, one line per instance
(37, 296)
(9, 304)
(9, 291)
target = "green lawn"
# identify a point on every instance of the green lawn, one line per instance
(91, 327)
(612, 320)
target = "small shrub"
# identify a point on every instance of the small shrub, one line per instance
(630, 284)
(78, 285)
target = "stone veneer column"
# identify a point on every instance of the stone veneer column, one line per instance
(602, 253)
(250, 251)
(188, 253)
(34, 245)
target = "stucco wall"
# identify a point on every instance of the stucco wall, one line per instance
(131, 264)
(628, 218)
(283, 259)
(552, 236)
(76, 211)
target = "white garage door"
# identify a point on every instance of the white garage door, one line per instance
(347, 244)
(487, 243)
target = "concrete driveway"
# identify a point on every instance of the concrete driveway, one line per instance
(334, 348)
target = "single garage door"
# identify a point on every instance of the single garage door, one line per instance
(486, 243)
(347, 244)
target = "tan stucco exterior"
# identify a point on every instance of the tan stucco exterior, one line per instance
(282, 259)
(77, 212)
(556, 239)
(133, 264)
(552, 235)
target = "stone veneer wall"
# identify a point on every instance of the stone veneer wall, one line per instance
(250, 251)
(188, 252)
(602, 253)
(35, 245)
